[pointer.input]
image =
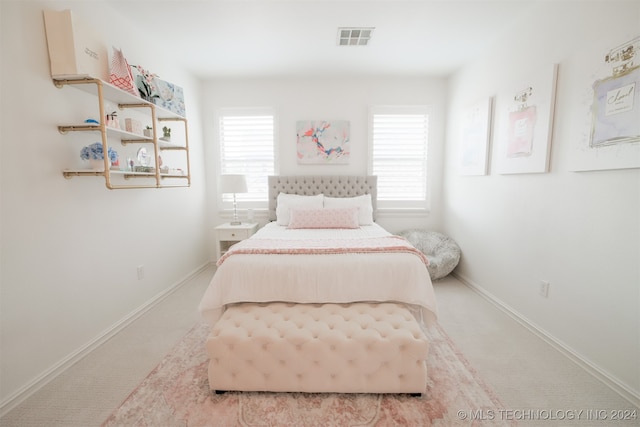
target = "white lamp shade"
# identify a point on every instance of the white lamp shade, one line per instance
(233, 184)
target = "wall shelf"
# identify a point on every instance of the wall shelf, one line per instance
(106, 92)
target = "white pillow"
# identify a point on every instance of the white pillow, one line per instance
(287, 201)
(363, 203)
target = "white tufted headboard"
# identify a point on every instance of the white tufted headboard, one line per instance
(329, 185)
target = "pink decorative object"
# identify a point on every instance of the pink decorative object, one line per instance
(120, 73)
(363, 203)
(133, 126)
(324, 218)
(286, 202)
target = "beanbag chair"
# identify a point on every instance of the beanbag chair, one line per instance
(442, 251)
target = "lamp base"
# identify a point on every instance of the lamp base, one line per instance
(235, 220)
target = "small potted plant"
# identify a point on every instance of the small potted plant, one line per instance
(166, 133)
(95, 154)
(148, 132)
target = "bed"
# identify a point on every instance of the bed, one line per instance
(321, 299)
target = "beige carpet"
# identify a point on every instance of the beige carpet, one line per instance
(176, 393)
(526, 373)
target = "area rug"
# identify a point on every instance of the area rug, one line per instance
(176, 393)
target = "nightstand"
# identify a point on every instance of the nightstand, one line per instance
(227, 235)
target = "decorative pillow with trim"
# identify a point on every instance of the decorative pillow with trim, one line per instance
(324, 218)
(286, 202)
(363, 203)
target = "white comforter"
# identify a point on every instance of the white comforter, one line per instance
(314, 278)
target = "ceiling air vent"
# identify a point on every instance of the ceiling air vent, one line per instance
(354, 36)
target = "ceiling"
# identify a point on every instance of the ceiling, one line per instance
(244, 38)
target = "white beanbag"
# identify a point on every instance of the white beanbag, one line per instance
(442, 251)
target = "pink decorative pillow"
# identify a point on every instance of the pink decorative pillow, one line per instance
(363, 203)
(324, 218)
(286, 202)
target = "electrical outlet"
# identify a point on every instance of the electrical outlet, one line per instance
(140, 272)
(544, 288)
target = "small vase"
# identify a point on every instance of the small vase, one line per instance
(97, 165)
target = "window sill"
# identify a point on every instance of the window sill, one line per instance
(243, 213)
(402, 212)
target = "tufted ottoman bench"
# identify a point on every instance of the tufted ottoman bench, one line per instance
(343, 348)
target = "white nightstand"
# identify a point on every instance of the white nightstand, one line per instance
(227, 235)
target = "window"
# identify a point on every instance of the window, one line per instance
(247, 146)
(399, 143)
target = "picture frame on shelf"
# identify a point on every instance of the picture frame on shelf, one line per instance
(170, 97)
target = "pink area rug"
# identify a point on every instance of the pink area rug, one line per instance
(176, 393)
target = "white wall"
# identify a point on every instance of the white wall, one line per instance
(70, 248)
(338, 98)
(579, 231)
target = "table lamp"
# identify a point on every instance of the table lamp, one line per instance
(233, 184)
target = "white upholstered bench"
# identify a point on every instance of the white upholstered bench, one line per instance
(342, 348)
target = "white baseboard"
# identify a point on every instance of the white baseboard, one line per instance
(627, 393)
(29, 389)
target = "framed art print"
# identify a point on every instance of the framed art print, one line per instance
(475, 132)
(323, 141)
(524, 122)
(607, 87)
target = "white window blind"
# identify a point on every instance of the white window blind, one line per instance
(399, 145)
(247, 146)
